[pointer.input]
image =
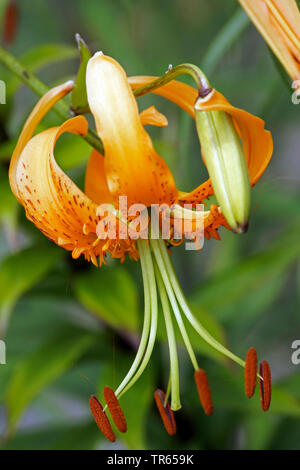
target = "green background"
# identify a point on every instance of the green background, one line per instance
(69, 328)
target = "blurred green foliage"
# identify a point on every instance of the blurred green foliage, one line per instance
(69, 328)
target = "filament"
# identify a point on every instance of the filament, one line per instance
(156, 250)
(153, 325)
(147, 318)
(174, 371)
(183, 304)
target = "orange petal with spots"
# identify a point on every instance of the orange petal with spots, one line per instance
(36, 115)
(257, 141)
(204, 191)
(52, 201)
(132, 167)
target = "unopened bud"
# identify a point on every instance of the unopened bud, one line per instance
(226, 165)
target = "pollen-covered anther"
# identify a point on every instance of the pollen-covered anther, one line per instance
(250, 372)
(101, 418)
(115, 409)
(265, 385)
(165, 412)
(204, 392)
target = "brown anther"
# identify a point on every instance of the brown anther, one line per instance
(115, 409)
(101, 418)
(165, 412)
(250, 372)
(204, 391)
(265, 385)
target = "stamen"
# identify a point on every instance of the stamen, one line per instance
(265, 385)
(165, 412)
(174, 372)
(101, 418)
(158, 257)
(165, 264)
(153, 326)
(115, 409)
(250, 372)
(204, 391)
(147, 321)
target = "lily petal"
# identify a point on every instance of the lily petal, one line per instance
(257, 141)
(36, 115)
(204, 191)
(52, 201)
(151, 116)
(278, 21)
(132, 166)
(96, 186)
(95, 180)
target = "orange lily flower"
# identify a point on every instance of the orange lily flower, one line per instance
(132, 168)
(278, 21)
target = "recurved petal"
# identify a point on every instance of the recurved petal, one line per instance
(278, 22)
(132, 166)
(257, 141)
(204, 191)
(36, 115)
(95, 180)
(151, 116)
(52, 201)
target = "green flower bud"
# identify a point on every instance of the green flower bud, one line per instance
(226, 165)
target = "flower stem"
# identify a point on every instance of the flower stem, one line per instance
(36, 85)
(174, 374)
(203, 85)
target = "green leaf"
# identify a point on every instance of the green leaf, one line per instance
(19, 272)
(37, 58)
(79, 94)
(41, 368)
(110, 293)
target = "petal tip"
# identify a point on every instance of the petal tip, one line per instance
(96, 55)
(69, 85)
(241, 228)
